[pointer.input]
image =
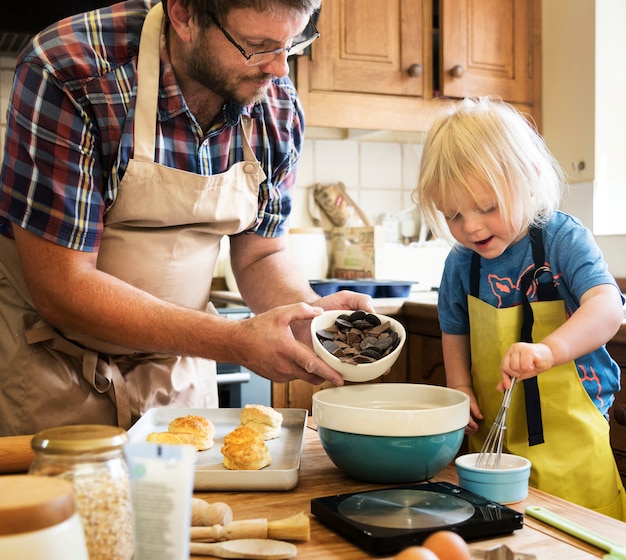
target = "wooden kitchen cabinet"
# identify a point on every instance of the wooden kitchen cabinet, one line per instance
(370, 47)
(370, 68)
(617, 349)
(387, 65)
(295, 394)
(425, 356)
(487, 47)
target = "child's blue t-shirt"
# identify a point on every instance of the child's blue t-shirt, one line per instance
(577, 265)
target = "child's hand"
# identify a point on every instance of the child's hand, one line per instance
(475, 413)
(524, 360)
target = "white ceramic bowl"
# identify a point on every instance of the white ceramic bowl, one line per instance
(507, 484)
(358, 372)
(391, 432)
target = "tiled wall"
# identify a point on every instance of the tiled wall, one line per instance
(379, 175)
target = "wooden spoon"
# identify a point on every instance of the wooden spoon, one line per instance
(253, 549)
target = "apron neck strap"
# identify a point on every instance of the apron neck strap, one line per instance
(148, 75)
(475, 275)
(542, 275)
(534, 420)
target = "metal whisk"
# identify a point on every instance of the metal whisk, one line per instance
(491, 451)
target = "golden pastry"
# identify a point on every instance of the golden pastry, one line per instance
(201, 428)
(245, 449)
(264, 419)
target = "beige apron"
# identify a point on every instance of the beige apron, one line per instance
(161, 235)
(575, 462)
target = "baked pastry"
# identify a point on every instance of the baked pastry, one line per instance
(264, 419)
(170, 438)
(200, 427)
(245, 449)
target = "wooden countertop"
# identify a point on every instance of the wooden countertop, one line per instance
(319, 477)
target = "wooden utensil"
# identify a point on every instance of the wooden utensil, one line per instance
(204, 514)
(252, 549)
(294, 528)
(16, 454)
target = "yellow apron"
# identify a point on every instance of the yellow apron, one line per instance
(161, 235)
(576, 461)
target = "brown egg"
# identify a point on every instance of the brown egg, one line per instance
(416, 553)
(448, 545)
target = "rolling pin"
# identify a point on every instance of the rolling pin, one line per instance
(16, 454)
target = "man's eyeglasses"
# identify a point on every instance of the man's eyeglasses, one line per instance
(300, 43)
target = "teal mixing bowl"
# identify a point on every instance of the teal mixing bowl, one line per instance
(391, 432)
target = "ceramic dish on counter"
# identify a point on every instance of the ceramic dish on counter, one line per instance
(286, 450)
(391, 432)
(362, 371)
(506, 484)
(371, 287)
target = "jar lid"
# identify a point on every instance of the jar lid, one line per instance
(80, 438)
(32, 503)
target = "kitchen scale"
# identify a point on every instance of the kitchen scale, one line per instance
(386, 521)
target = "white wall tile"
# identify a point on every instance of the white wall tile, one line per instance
(300, 216)
(379, 176)
(406, 199)
(377, 202)
(380, 165)
(306, 165)
(337, 160)
(411, 155)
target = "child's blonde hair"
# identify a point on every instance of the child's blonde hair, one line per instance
(487, 141)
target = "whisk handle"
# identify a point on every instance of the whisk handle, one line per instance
(506, 401)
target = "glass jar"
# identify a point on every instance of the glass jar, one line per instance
(38, 519)
(92, 458)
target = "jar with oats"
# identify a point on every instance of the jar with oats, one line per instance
(92, 458)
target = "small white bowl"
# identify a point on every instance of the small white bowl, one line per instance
(358, 372)
(506, 485)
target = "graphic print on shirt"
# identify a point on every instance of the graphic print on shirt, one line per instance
(504, 289)
(507, 293)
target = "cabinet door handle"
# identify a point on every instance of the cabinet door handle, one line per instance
(457, 71)
(620, 414)
(415, 70)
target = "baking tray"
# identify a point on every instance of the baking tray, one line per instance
(286, 451)
(369, 286)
